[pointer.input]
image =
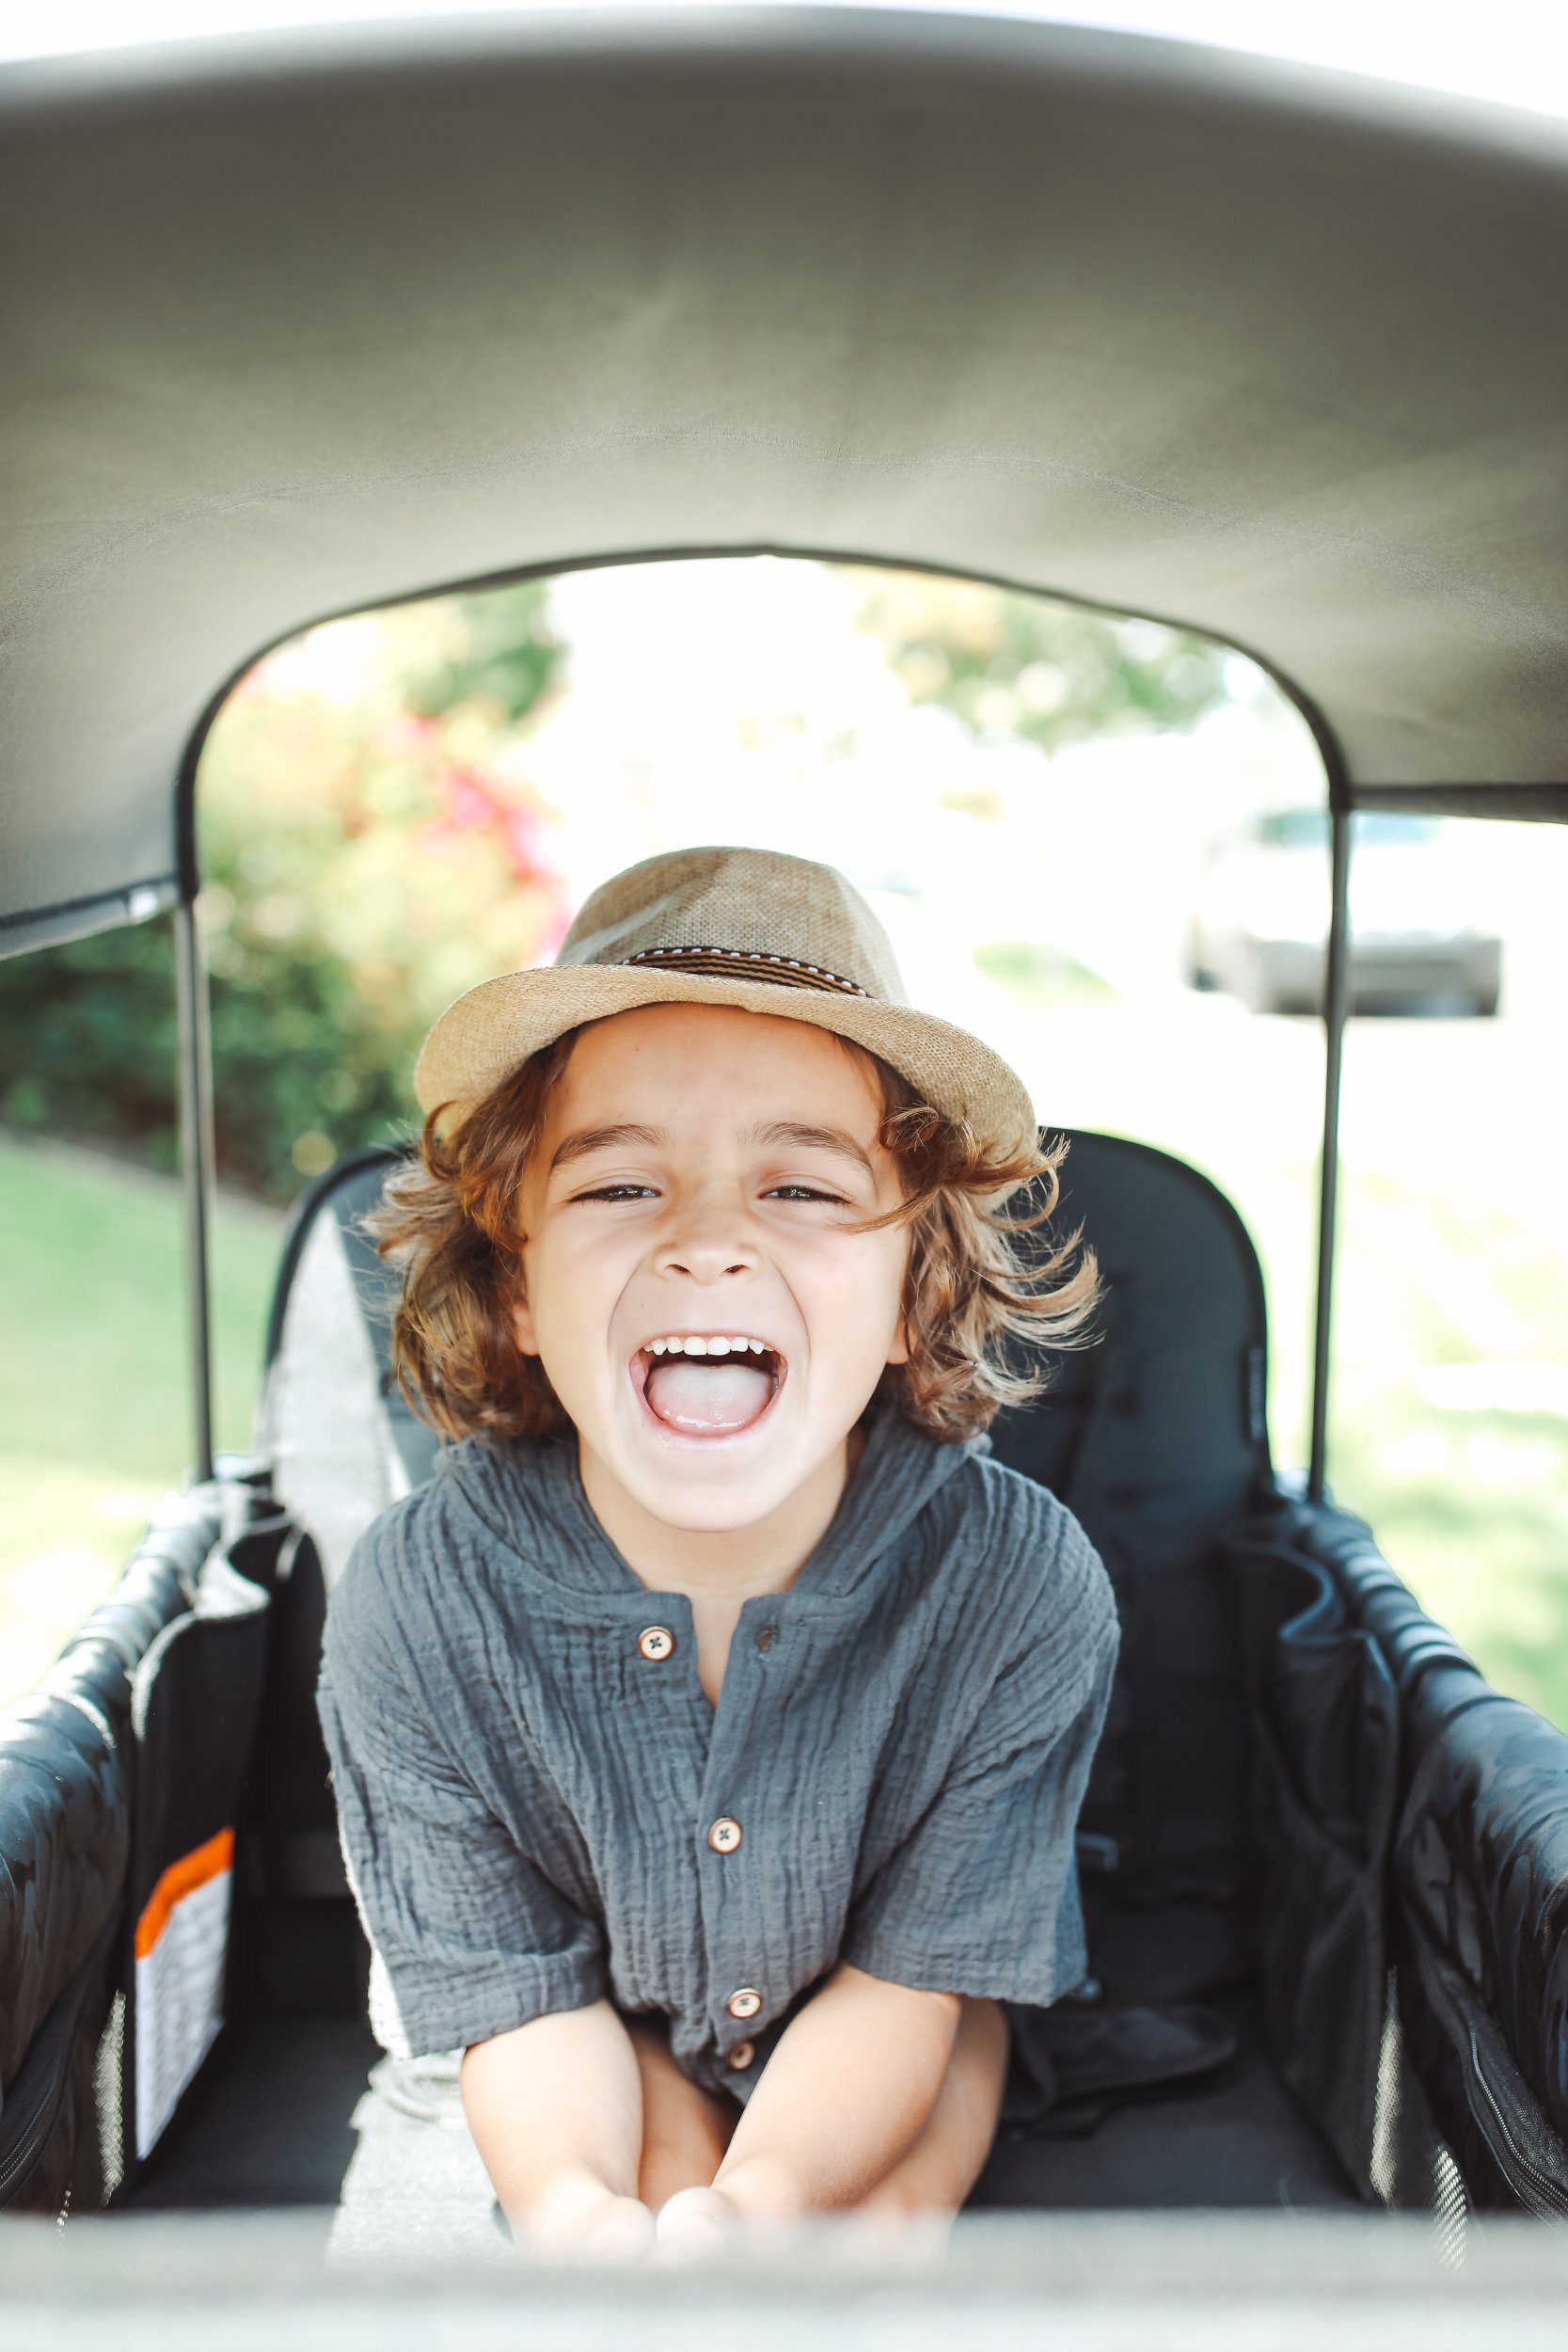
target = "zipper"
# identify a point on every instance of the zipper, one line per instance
(32, 2109)
(1548, 2199)
(19, 2153)
(1535, 2188)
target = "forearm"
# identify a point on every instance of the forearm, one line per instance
(849, 2087)
(556, 2111)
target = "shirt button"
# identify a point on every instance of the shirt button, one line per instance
(725, 1836)
(745, 2003)
(654, 1642)
(741, 2057)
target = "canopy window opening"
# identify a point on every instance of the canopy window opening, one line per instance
(1101, 843)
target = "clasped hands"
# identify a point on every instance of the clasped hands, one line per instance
(578, 2218)
(870, 2096)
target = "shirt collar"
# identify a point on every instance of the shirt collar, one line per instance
(529, 1491)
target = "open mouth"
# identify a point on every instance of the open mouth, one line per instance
(704, 1385)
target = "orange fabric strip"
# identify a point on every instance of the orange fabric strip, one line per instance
(180, 1879)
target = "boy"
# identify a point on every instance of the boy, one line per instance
(710, 1733)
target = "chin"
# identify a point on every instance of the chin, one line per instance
(709, 1498)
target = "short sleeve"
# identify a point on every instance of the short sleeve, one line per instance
(472, 1939)
(982, 1895)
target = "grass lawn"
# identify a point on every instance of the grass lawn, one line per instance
(94, 1398)
(1449, 1430)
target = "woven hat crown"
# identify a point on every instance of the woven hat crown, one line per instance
(754, 913)
(749, 928)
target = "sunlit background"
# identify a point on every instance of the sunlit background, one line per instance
(1093, 841)
(1512, 53)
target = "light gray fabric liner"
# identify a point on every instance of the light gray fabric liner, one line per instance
(322, 1425)
(323, 1429)
(415, 2184)
(304, 320)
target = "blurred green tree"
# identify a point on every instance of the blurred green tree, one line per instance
(370, 845)
(1048, 673)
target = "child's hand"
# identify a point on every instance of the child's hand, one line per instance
(695, 2225)
(577, 2219)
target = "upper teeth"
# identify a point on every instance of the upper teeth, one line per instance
(706, 1347)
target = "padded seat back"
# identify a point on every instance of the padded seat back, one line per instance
(1156, 1436)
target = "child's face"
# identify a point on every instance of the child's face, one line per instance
(695, 1178)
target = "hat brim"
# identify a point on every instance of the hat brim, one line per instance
(491, 1030)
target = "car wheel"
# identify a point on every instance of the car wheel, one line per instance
(1194, 972)
(1252, 984)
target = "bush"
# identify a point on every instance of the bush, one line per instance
(371, 846)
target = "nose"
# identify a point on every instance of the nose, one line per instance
(707, 1241)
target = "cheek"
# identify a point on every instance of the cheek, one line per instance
(530, 1307)
(868, 1270)
(573, 1277)
(898, 1272)
(538, 1284)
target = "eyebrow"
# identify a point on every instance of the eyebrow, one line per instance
(587, 1139)
(784, 1133)
(792, 1132)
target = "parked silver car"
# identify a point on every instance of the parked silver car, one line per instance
(1420, 941)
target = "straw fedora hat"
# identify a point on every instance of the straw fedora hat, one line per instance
(749, 928)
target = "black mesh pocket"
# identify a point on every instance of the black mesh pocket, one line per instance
(1325, 1728)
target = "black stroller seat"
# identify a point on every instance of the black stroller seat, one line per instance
(1260, 2027)
(1157, 1438)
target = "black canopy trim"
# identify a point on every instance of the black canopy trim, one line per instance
(78, 918)
(1537, 804)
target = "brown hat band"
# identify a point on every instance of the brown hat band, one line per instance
(749, 963)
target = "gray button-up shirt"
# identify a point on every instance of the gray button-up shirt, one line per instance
(539, 1807)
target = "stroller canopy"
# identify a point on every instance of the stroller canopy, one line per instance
(301, 321)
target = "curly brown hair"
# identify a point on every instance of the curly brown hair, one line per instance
(981, 1285)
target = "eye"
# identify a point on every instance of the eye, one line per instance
(618, 1192)
(805, 1192)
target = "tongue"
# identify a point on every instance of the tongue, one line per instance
(706, 1396)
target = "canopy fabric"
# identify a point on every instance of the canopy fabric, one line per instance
(299, 323)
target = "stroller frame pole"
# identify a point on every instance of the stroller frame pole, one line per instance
(1336, 1005)
(197, 1158)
